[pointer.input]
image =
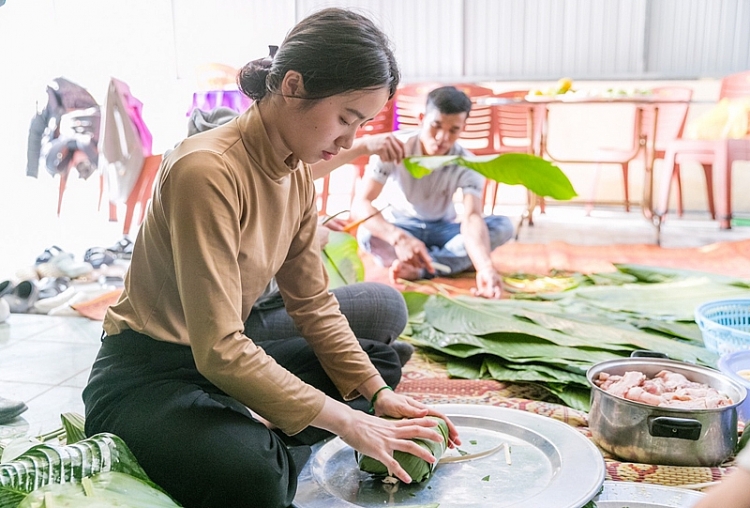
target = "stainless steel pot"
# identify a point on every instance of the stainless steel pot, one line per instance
(639, 432)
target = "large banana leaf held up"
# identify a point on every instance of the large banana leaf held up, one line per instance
(536, 174)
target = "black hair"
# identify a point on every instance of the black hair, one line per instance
(448, 100)
(335, 51)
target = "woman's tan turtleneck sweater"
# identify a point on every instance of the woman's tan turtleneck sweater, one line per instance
(226, 216)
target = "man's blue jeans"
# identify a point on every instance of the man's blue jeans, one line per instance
(443, 239)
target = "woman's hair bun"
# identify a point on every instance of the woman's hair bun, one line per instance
(252, 77)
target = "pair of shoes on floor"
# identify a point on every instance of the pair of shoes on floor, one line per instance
(98, 256)
(45, 305)
(49, 287)
(10, 409)
(80, 295)
(55, 262)
(123, 249)
(52, 292)
(20, 297)
(33, 295)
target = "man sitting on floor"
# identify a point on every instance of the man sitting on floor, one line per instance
(417, 235)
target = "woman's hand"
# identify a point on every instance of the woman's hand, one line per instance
(379, 437)
(396, 405)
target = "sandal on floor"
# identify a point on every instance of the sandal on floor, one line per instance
(44, 305)
(6, 287)
(48, 254)
(98, 256)
(52, 286)
(123, 249)
(23, 297)
(64, 265)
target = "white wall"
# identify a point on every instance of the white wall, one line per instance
(154, 46)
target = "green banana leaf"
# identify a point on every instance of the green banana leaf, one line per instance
(572, 395)
(482, 317)
(646, 273)
(341, 260)
(536, 174)
(418, 469)
(46, 464)
(102, 490)
(552, 342)
(673, 301)
(518, 348)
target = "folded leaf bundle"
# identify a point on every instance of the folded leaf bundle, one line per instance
(418, 469)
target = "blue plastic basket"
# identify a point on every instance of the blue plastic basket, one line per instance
(725, 325)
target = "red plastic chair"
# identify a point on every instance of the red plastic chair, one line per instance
(383, 122)
(409, 104)
(670, 119)
(716, 157)
(515, 131)
(479, 134)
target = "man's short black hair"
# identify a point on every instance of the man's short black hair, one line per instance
(448, 100)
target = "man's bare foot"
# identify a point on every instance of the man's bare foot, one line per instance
(401, 270)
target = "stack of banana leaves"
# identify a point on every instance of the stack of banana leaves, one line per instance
(551, 339)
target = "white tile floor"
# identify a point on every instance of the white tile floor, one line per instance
(45, 360)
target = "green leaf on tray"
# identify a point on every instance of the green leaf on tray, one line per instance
(418, 469)
(536, 174)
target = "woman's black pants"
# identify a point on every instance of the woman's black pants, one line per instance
(202, 446)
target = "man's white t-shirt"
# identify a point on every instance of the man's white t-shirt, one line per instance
(429, 198)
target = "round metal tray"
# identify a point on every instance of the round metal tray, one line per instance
(552, 466)
(644, 495)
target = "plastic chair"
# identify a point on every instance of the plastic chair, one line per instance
(382, 123)
(141, 193)
(515, 131)
(716, 157)
(409, 104)
(479, 134)
(670, 118)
